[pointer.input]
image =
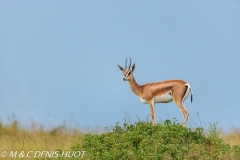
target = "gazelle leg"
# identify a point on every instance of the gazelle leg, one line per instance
(183, 110)
(178, 94)
(151, 103)
(185, 115)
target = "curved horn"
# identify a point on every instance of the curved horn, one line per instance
(130, 64)
(126, 63)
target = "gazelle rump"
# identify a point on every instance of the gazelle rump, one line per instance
(158, 92)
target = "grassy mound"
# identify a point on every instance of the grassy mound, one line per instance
(169, 140)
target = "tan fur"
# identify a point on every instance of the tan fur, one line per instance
(177, 89)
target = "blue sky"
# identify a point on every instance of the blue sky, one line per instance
(58, 60)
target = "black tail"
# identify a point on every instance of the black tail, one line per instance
(191, 94)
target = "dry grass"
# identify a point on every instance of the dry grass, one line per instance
(13, 138)
(233, 137)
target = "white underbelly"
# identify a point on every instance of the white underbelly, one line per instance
(165, 98)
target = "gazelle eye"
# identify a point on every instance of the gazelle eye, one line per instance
(129, 73)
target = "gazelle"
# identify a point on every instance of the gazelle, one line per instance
(158, 92)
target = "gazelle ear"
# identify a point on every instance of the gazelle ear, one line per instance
(122, 69)
(133, 67)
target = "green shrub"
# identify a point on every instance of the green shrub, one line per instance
(169, 140)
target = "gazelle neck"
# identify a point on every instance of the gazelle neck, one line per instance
(135, 87)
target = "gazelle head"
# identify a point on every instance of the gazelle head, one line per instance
(127, 72)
